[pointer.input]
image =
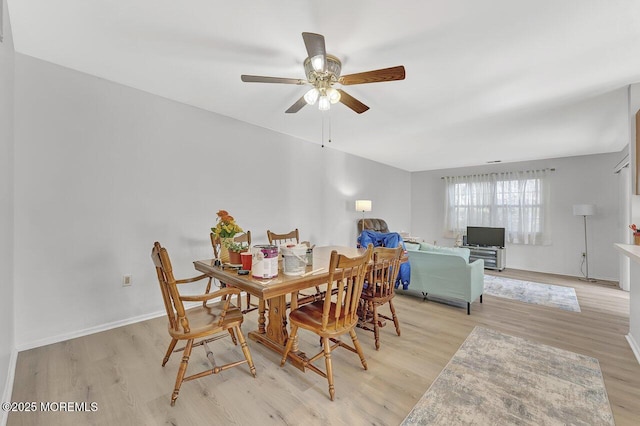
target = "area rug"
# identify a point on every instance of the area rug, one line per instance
(498, 379)
(531, 292)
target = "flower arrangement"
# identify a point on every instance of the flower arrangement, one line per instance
(634, 228)
(226, 226)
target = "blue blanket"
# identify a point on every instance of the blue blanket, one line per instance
(388, 239)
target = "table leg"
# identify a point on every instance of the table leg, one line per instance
(277, 325)
(261, 319)
(275, 332)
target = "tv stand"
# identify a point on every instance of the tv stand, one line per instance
(494, 257)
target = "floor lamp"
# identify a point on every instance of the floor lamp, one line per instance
(363, 206)
(585, 210)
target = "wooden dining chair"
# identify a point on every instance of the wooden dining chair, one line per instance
(197, 326)
(334, 316)
(378, 289)
(215, 243)
(292, 237)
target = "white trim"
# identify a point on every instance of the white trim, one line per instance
(99, 328)
(8, 386)
(2, 20)
(634, 346)
(621, 164)
(87, 331)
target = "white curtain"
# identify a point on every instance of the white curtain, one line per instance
(516, 201)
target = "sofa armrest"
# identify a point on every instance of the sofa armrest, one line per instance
(477, 278)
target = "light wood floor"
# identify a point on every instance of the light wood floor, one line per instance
(120, 369)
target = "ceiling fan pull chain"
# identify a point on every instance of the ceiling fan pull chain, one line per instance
(322, 129)
(326, 124)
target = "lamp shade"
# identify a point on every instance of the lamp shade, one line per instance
(363, 205)
(584, 209)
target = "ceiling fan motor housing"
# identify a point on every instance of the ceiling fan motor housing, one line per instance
(330, 76)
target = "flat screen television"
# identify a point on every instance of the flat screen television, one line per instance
(485, 237)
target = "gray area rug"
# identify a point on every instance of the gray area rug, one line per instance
(498, 379)
(531, 292)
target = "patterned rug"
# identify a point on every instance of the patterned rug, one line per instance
(530, 292)
(498, 379)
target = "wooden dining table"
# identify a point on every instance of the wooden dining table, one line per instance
(273, 294)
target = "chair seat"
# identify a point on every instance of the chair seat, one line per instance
(205, 319)
(377, 294)
(310, 317)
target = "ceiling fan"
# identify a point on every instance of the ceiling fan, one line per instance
(323, 72)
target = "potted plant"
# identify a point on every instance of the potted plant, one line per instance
(636, 234)
(235, 249)
(226, 228)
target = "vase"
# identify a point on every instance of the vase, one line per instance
(224, 251)
(636, 239)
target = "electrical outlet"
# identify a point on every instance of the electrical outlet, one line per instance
(127, 280)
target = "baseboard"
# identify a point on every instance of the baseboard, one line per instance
(97, 329)
(634, 346)
(8, 386)
(85, 332)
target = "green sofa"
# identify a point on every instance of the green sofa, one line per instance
(445, 272)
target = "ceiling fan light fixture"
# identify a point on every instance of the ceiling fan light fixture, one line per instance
(311, 97)
(334, 95)
(318, 64)
(324, 104)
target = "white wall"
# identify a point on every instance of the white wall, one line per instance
(634, 276)
(7, 345)
(102, 171)
(577, 180)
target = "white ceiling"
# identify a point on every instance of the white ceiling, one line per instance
(508, 80)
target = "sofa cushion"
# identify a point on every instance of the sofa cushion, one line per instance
(457, 251)
(411, 246)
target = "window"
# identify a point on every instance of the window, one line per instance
(516, 201)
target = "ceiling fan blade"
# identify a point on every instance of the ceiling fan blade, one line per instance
(315, 47)
(352, 102)
(297, 106)
(385, 74)
(262, 79)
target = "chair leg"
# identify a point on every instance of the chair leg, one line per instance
(376, 326)
(182, 370)
(327, 360)
(287, 349)
(356, 345)
(468, 308)
(394, 316)
(172, 346)
(245, 350)
(480, 298)
(233, 337)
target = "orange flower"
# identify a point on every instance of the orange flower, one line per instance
(226, 225)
